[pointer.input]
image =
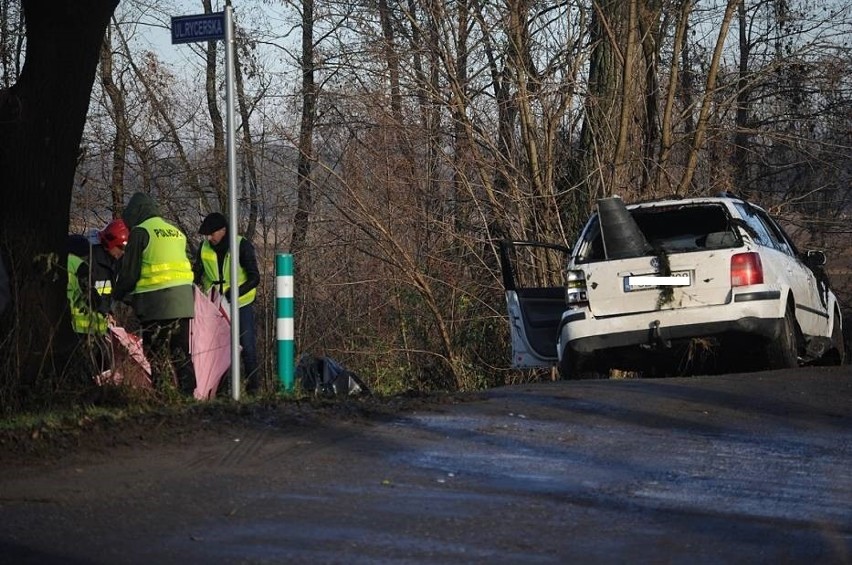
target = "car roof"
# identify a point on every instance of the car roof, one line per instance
(726, 200)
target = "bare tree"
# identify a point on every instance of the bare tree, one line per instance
(43, 115)
(306, 150)
(249, 162)
(220, 181)
(11, 41)
(121, 139)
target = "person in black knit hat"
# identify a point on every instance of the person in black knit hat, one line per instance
(212, 268)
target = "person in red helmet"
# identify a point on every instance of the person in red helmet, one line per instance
(92, 270)
(114, 238)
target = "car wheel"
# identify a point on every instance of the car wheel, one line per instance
(783, 351)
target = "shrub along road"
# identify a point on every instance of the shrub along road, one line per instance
(752, 468)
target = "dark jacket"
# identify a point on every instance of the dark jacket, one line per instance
(248, 261)
(164, 304)
(97, 266)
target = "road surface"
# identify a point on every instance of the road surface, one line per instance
(752, 468)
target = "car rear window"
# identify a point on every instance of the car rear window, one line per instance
(673, 229)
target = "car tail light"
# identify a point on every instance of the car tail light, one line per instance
(575, 288)
(746, 269)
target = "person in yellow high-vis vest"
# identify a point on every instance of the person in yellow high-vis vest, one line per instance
(85, 318)
(212, 268)
(92, 271)
(155, 278)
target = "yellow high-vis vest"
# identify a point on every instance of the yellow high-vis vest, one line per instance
(164, 261)
(84, 320)
(211, 272)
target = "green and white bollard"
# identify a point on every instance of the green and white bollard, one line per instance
(284, 285)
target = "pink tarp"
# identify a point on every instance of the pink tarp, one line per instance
(210, 345)
(129, 364)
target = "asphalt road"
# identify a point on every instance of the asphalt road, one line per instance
(750, 468)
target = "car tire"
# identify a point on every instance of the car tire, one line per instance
(783, 351)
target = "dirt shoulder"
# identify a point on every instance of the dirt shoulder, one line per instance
(51, 438)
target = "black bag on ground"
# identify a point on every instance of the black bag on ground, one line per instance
(324, 376)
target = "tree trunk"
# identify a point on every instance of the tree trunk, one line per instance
(248, 161)
(741, 137)
(392, 60)
(600, 127)
(663, 182)
(704, 113)
(220, 180)
(650, 39)
(41, 125)
(306, 133)
(121, 140)
(11, 41)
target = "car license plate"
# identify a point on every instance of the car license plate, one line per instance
(648, 282)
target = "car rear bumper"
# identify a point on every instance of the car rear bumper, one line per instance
(760, 315)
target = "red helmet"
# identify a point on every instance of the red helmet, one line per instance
(115, 234)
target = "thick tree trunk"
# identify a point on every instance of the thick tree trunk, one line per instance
(613, 136)
(41, 124)
(598, 136)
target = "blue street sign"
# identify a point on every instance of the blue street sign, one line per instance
(200, 27)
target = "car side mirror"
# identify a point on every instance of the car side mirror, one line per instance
(815, 258)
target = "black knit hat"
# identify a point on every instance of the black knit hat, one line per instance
(212, 222)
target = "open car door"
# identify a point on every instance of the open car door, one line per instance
(535, 299)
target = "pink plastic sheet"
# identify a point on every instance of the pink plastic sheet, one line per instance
(129, 364)
(209, 344)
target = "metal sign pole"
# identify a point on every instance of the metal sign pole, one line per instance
(233, 209)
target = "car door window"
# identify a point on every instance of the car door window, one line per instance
(783, 241)
(775, 234)
(760, 232)
(589, 248)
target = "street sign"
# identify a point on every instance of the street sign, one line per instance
(200, 27)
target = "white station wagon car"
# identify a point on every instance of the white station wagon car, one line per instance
(672, 287)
